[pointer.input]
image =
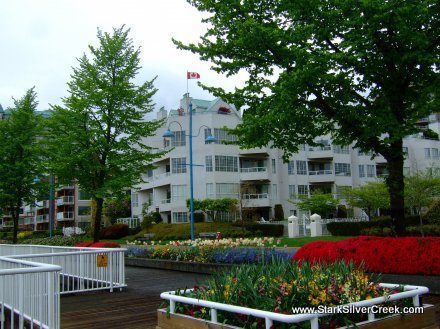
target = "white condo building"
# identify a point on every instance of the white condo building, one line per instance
(258, 177)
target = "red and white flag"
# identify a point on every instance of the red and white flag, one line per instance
(192, 75)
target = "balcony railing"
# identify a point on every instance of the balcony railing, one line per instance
(256, 196)
(253, 169)
(66, 215)
(65, 200)
(320, 172)
(165, 201)
(162, 175)
(42, 219)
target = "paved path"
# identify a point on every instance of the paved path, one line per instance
(135, 307)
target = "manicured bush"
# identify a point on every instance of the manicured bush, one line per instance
(24, 235)
(67, 241)
(116, 231)
(406, 255)
(257, 229)
(428, 230)
(279, 212)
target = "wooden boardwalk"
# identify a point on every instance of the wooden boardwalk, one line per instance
(135, 307)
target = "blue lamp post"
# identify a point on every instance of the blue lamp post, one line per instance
(209, 139)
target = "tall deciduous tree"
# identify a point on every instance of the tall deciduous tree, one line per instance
(20, 156)
(364, 71)
(370, 197)
(318, 202)
(97, 136)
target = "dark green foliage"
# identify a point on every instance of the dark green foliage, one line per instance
(102, 124)
(55, 241)
(199, 217)
(213, 206)
(358, 70)
(430, 134)
(116, 231)
(279, 212)
(20, 157)
(117, 208)
(424, 230)
(341, 211)
(260, 230)
(432, 216)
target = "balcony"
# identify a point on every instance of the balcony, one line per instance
(67, 187)
(260, 151)
(165, 205)
(84, 218)
(65, 200)
(65, 216)
(321, 176)
(254, 173)
(160, 179)
(43, 219)
(320, 152)
(255, 200)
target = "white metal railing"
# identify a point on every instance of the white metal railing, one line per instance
(132, 222)
(69, 199)
(253, 169)
(409, 292)
(29, 294)
(83, 269)
(319, 148)
(65, 215)
(42, 218)
(320, 172)
(256, 196)
(162, 175)
(165, 201)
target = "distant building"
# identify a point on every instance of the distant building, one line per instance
(257, 177)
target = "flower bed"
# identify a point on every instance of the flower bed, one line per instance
(101, 244)
(230, 243)
(256, 296)
(408, 255)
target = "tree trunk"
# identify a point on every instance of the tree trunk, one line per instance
(97, 219)
(395, 183)
(15, 217)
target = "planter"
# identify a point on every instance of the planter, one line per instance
(420, 318)
(414, 321)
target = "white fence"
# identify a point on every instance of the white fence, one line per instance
(83, 269)
(29, 294)
(409, 292)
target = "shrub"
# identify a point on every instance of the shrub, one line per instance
(378, 231)
(432, 216)
(24, 235)
(407, 255)
(55, 241)
(279, 212)
(428, 230)
(101, 244)
(116, 231)
(199, 217)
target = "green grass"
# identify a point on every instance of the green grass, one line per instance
(299, 242)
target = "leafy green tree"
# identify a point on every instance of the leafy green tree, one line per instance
(421, 190)
(117, 208)
(371, 196)
(20, 156)
(212, 207)
(97, 137)
(321, 203)
(363, 71)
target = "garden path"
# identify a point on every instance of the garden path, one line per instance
(135, 307)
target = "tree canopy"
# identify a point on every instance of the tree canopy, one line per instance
(363, 71)
(321, 203)
(370, 197)
(97, 136)
(20, 156)
(212, 207)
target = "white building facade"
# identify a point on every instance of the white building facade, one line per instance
(257, 177)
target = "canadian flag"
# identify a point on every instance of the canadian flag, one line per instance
(192, 75)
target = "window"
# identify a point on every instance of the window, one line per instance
(361, 170)
(342, 169)
(226, 190)
(341, 149)
(226, 216)
(83, 195)
(178, 139)
(208, 163)
(434, 153)
(275, 191)
(134, 199)
(303, 189)
(210, 193)
(371, 171)
(178, 192)
(340, 191)
(226, 163)
(301, 167)
(291, 167)
(292, 192)
(427, 153)
(220, 135)
(84, 211)
(369, 153)
(274, 168)
(178, 165)
(180, 217)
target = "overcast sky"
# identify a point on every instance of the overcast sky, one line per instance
(40, 42)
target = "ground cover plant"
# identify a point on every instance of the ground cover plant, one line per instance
(283, 285)
(403, 255)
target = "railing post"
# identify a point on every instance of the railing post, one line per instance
(172, 306)
(314, 323)
(111, 269)
(214, 315)
(269, 323)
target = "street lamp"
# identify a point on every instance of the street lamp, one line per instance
(209, 139)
